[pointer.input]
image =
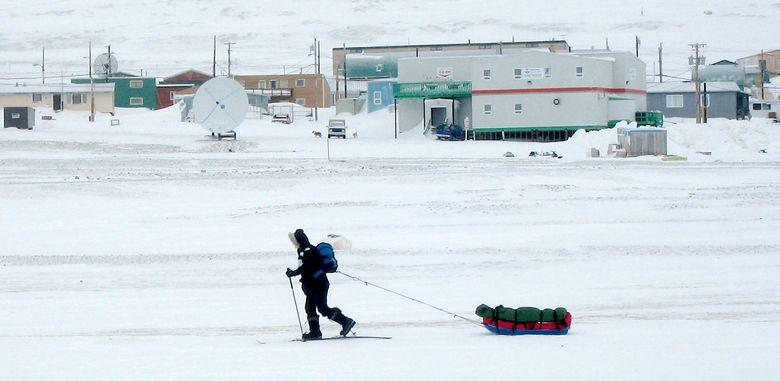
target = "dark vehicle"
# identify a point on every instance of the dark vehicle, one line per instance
(449, 132)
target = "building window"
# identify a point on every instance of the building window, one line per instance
(300, 83)
(579, 71)
(261, 84)
(136, 84)
(757, 106)
(78, 98)
(377, 97)
(273, 84)
(765, 106)
(485, 73)
(547, 72)
(518, 73)
(170, 94)
(518, 108)
(379, 68)
(301, 101)
(37, 97)
(136, 101)
(284, 84)
(674, 101)
(487, 109)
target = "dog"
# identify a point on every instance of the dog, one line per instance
(317, 134)
(354, 135)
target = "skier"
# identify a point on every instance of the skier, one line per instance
(315, 286)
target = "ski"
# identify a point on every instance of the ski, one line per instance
(347, 337)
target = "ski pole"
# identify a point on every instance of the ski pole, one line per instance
(410, 298)
(296, 306)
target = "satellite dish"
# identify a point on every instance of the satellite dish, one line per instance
(220, 105)
(104, 65)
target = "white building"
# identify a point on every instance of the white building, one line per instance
(60, 96)
(521, 95)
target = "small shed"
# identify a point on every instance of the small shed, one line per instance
(20, 117)
(380, 94)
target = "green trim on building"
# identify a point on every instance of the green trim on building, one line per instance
(127, 96)
(620, 99)
(432, 90)
(540, 128)
(614, 122)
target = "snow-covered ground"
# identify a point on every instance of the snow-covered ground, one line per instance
(165, 37)
(150, 251)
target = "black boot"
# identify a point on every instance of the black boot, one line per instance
(346, 323)
(314, 329)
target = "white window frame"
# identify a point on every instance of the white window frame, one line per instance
(300, 101)
(377, 97)
(284, 84)
(302, 82)
(486, 73)
(136, 84)
(134, 101)
(273, 84)
(37, 95)
(261, 84)
(547, 72)
(379, 67)
(674, 104)
(487, 109)
(82, 98)
(520, 75)
(518, 110)
(579, 71)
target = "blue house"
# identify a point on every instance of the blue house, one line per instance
(380, 94)
(678, 100)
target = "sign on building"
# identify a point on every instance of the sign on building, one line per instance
(444, 72)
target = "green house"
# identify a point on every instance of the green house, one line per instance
(130, 91)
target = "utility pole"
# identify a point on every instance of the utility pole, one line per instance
(706, 104)
(637, 45)
(661, 62)
(696, 61)
(108, 69)
(313, 52)
(762, 68)
(214, 59)
(43, 65)
(229, 46)
(320, 87)
(91, 87)
(345, 71)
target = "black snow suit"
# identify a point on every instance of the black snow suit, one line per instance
(314, 282)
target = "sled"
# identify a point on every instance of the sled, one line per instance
(503, 327)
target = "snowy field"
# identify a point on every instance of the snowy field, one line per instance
(149, 251)
(165, 37)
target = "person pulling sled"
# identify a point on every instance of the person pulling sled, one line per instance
(314, 264)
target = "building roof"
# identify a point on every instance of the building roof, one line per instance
(776, 51)
(506, 43)
(55, 88)
(689, 87)
(187, 76)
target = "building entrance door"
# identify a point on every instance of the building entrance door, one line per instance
(57, 102)
(438, 116)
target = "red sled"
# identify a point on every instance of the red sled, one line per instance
(503, 327)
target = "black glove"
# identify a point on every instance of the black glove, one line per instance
(290, 273)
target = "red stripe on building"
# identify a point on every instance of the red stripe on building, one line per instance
(558, 90)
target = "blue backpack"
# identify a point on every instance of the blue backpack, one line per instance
(328, 257)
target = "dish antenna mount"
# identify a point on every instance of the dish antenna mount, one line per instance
(105, 65)
(220, 105)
